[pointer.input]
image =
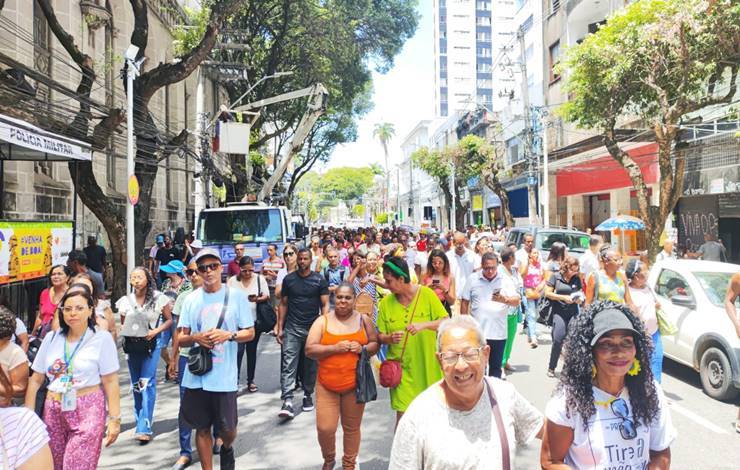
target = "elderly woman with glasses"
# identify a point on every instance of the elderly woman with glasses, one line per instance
(609, 283)
(608, 411)
(454, 424)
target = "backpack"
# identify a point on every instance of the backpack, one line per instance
(342, 272)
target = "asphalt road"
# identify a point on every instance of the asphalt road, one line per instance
(706, 438)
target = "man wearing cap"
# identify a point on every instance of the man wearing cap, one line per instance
(158, 243)
(216, 318)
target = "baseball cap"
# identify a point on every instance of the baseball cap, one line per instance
(160, 239)
(609, 320)
(205, 253)
(173, 267)
(196, 244)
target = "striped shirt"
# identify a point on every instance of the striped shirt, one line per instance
(22, 434)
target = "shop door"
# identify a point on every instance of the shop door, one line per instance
(729, 234)
(598, 209)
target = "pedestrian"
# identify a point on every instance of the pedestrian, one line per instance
(488, 297)
(666, 252)
(96, 256)
(455, 424)
(77, 263)
(710, 250)
(565, 292)
(178, 364)
(608, 412)
(366, 291)
(303, 297)
(438, 277)
(462, 264)
(103, 313)
(270, 268)
(233, 266)
(509, 269)
(647, 304)
(733, 294)
(522, 254)
(175, 284)
(217, 318)
(25, 439)
(80, 363)
(554, 258)
(482, 245)
(589, 260)
(317, 254)
(335, 341)
(152, 261)
(49, 299)
(290, 256)
(256, 289)
(13, 360)
(334, 273)
(145, 314)
(408, 318)
(534, 288)
(609, 283)
(165, 253)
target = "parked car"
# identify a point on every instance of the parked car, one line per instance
(545, 236)
(692, 293)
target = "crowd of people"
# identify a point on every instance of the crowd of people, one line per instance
(437, 312)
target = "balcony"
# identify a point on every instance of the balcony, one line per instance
(583, 17)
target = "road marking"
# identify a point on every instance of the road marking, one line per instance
(697, 419)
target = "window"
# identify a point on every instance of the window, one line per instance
(527, 25)
(593, 27)
(554, 60)
(670, 283)
(484, 83)
(483, 36)
(240, 225)
(483, 52)
(483, 21)
(554, 6)
(484, 6)
(44, 168)
(483, 68)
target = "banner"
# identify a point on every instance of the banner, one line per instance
(29, 249)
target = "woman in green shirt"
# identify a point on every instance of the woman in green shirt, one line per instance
(411, 314)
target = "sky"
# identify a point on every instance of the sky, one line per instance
(403, 97)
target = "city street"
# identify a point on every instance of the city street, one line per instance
(706, 439)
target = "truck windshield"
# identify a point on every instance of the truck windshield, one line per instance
(574, 241)
(240, 225)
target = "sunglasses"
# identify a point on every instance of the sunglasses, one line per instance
(627, 426)
(204, 268)
(190, 272)
(289, 253)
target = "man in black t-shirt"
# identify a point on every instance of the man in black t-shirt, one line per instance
(304, 296)
(165, 254)
(95, 255)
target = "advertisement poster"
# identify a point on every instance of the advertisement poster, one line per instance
(29, 249)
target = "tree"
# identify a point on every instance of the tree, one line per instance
(471, 156)
(152, 144)
(659, 60)
(384, 132)
(346, 183)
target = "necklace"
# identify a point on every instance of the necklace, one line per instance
(606, 403)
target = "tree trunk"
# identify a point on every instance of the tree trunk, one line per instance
(490, 178)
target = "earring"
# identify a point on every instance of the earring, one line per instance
(593, 371)
(635, 369)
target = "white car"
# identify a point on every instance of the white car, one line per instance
(692, 294)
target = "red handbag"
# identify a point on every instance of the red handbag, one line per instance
(390, 369)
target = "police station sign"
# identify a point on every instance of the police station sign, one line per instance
(31, 137)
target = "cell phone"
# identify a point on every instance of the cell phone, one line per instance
(496, 293)
(435, 281)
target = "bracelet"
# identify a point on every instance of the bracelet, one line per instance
(114, 418)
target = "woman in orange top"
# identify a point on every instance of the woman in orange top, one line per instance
(335, 341)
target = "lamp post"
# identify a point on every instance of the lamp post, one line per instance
(132, 72)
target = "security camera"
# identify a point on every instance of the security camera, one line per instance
(131, 52)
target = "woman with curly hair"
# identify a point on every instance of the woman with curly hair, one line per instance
(145, 314)
(439, 278)
(608, 411)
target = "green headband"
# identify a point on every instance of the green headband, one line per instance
(396, 270)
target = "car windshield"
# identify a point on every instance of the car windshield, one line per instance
(252, 225)
(574, 241)
(714, 285)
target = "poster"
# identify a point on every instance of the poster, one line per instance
(29, 249)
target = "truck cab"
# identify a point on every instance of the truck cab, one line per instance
(254, 225)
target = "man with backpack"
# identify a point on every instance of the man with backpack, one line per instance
(334, 273)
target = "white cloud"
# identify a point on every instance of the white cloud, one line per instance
(403, 97)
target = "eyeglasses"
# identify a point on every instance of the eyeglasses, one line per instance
(288, 253)
(627, 426)
(624, 345)
(204, 268)
(471, 355)
(76, 309)
(190, 272)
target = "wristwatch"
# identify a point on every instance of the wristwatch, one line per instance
(233, 337)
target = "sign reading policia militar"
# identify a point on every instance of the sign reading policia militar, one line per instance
(29, 249)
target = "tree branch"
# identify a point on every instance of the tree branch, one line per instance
(174, 143)
(64, 38)
(140, 33)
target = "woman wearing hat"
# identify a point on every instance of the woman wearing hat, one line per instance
(175, 285)
(608, 411)
(407, 322)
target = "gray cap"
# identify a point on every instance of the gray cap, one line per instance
(609, 320)
(206, 252)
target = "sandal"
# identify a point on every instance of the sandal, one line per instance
(550, 373)
(143, 439)
(252, 388)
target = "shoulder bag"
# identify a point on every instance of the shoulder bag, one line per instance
(496, 410)
(665, 325)
(266, 318)
(365, 389)
(391, 370)
(139, 344)
(200, 359)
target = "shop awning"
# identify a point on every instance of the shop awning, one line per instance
(602, 173)
(20, 140)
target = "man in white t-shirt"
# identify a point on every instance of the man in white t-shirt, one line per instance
(462, 263)
(488, 296)
(452, 424)
(589, 261)
(522, 254)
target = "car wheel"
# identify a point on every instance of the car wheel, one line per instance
(716, 375)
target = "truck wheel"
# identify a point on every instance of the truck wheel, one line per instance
(716, 375)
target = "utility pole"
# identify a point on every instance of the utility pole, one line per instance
(453, 212)
(202, 147)
(132, 71)
(529, 154)
(545, 174)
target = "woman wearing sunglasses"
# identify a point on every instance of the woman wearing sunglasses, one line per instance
(290, 256)
(608, 411)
